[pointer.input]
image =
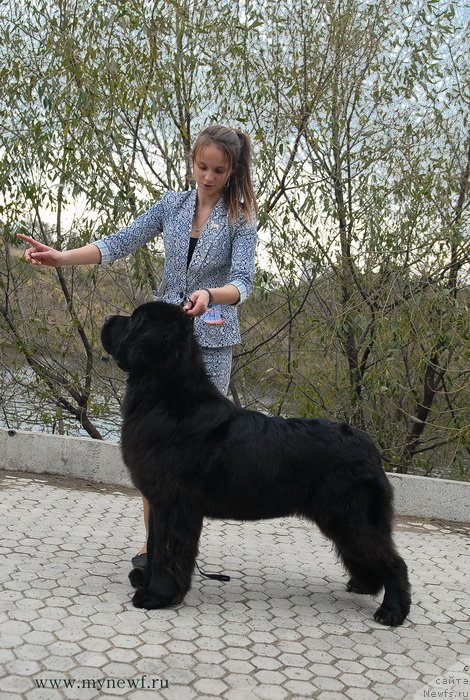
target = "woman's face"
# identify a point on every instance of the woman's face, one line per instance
(211, 169)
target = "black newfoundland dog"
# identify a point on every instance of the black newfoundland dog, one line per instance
(194, 454)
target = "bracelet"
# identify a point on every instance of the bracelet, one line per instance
(211, 296)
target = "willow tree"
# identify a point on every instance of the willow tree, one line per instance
(360, 111)
(100, 103)
(358, 114)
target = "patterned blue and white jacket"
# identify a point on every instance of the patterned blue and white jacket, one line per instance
(224, 254)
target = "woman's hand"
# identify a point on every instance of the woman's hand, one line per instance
(40, 254)
(200, 303)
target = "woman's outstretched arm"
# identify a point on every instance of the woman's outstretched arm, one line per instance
(40, 254)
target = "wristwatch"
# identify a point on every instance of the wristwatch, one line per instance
(211, 297)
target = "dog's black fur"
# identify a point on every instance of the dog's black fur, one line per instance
(192, 453)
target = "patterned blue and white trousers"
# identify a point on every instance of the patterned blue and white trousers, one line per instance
(218, 363)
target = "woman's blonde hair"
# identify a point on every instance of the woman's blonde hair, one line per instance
(238, 192)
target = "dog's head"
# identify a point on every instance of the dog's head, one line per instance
(155, 335)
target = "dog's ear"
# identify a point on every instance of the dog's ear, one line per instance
(158, 336)
(113, 330)
(132, 352)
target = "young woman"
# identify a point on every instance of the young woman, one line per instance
(209, 236)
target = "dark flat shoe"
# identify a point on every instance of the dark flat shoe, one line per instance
(139, 561)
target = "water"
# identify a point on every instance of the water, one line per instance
(22, 409)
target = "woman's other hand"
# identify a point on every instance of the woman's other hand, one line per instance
(40, 254)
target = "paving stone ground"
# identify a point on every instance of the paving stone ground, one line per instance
(283, 627)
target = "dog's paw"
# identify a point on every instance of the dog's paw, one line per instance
(143, 598)
(393, 616)
(355, 585)
(136, 577)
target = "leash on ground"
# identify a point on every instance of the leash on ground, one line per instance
(214, 577)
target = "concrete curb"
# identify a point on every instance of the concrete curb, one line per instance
(101, 462)
(423, 497)
(81, 458)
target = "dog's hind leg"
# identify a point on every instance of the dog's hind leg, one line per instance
(363, 580)
(374, 563)
(359, 521)
(397, 599)
(362, 535)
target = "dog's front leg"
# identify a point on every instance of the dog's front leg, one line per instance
(140, 577)
(156, 587)
(174, 532)
(183, 541)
